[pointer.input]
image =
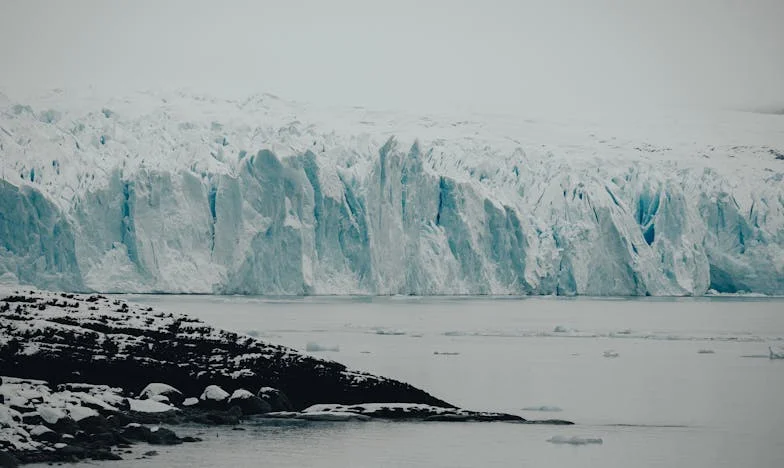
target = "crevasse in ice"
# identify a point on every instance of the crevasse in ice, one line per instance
(185, 193)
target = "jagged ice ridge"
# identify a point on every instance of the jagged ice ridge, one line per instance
(178, 192)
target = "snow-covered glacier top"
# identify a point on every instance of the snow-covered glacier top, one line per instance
(179, 192)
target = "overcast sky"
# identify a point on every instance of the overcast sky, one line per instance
(484, 56)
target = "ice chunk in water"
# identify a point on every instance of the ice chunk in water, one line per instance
(575, 440)
(542, 408)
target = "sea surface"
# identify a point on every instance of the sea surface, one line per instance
(662, 382)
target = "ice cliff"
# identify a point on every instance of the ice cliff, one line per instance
(184, 193)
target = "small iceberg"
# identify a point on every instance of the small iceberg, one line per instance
(389, 331)
(610, 353)
(776, 352)
(542, 408)
(575, 440)
(706, 351)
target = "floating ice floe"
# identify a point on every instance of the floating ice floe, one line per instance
(542, 408)
(389, 331)
(776, 352)
(575, 440)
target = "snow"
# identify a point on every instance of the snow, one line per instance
(332, 416)
(241, 394)
(51, 415)
(157, 389)
(176, 192)
(214, 393)
(149, 406)
(39, 429)
(37, 397)
(370, 408)
(8, 416)
(77, 413)
(574, 440)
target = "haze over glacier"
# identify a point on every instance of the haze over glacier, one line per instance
(178, 192)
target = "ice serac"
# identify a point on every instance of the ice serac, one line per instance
(36, 242)
(185, 193)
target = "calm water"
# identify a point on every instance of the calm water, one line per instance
(659, 403)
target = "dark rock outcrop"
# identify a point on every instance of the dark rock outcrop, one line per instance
(79, 338)
(7, 460)
(92, 357)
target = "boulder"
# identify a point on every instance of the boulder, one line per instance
(64, 426)
(118, 420)
(72, 450)
(154, 390)
(44, 434)
(277, 400)
(32, 419)
(137, 432)
(213, 397)
(155, 436)
(163, 436)
(249, 403)
(94, 424)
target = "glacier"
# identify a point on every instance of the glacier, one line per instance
(178, 192)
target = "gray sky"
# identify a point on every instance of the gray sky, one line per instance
(485, 56)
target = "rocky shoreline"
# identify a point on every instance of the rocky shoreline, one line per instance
(86, 376)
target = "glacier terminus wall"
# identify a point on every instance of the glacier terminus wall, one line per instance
(183, 193)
